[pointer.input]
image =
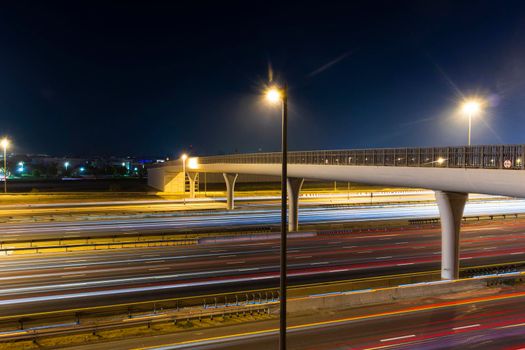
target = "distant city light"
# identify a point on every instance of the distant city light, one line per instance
(440, 160)
(66, 165)
(135, 168)
(82, 169)
(123, 164)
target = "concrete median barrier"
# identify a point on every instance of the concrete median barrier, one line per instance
(341, 300)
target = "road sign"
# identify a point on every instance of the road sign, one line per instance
(507, 163)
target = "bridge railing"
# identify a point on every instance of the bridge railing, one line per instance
(483, 156)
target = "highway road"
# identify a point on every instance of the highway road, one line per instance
(140, 209)
(37, 283)
(242, 197)
(478, 323)
(167, 222)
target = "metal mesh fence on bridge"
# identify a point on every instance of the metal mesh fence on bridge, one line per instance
(485, 157)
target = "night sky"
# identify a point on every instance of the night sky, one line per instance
(159, 77)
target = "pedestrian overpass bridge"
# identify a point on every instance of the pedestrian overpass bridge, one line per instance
(452, 172)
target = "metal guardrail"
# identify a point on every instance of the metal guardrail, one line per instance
(76, 327)
(482, 157)
(154, 238)
(466, 219)
(98, 246)
(182, 308)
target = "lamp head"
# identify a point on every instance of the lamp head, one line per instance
(471, 107)
(273, 94)
(184, 157)
(4, 143)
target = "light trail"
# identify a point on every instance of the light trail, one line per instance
(260, 217)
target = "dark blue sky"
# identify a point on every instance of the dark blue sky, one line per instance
(123, 77)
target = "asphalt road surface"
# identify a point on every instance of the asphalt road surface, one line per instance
(491, 322)
(498, 324)
(36, 283)
(99, 226)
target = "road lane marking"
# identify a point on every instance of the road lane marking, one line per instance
(482, 229)
(398, 338)
(71, 276)
(465, 327)
(235, 262)
(511, 326)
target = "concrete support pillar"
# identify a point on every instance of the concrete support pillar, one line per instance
(451, 206)
(293, 186)
(192, 177)
(230, 187)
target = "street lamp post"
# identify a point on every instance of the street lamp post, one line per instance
(470, 108)
(275, 95)
(469, 127)
(5, 143)
(184, 157)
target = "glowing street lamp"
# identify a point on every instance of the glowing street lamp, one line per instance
(275, 95)
(5, 143)
(66, 165)
(471, 108)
